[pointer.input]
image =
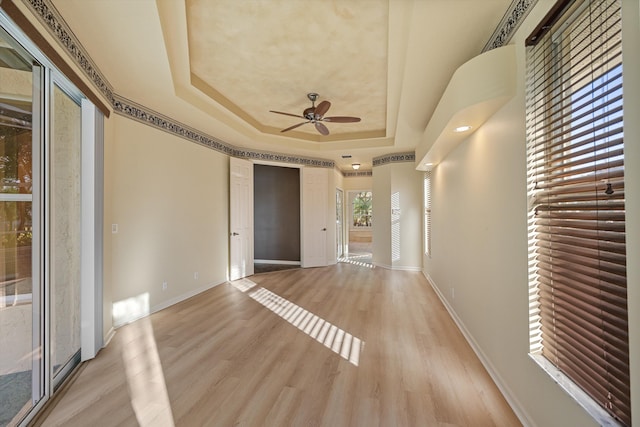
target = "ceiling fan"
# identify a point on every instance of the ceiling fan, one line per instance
(316, 116)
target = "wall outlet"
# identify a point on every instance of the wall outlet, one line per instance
(164, 286)
(114, 228)
(196, 275)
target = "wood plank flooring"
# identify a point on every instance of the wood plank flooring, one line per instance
(230, 357)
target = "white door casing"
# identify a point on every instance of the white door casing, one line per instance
(240, 218)
(314, 198)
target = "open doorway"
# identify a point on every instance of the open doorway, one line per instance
(360, 220)
(276, 218)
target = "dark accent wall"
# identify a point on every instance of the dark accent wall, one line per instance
(276, 203)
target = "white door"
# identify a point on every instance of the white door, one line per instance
(315, 200)
(240, 218)
(339, 223)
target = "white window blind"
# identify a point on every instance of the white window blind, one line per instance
(575, 167)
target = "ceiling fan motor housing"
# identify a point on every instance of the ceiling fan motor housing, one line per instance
(308, 113)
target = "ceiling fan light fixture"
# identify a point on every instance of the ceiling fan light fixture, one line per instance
(355, 166)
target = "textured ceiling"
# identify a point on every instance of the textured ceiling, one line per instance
(256, 56)
(220, 66)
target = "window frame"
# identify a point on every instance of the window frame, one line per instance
(353, 194)
(553, 167)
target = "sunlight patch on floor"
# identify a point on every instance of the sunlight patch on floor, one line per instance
(145, 377)
(327, 334)
(354, 259)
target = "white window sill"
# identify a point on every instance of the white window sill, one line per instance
(601, 416)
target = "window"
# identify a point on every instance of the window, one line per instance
(361, 208)
(427, 213)
(575, 168)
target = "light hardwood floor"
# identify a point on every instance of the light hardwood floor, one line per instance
(231, 357)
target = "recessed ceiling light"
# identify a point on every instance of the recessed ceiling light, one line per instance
(462, 129)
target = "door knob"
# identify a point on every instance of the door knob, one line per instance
(235, 234)
(324, 229)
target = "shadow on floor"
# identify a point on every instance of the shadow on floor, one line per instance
(267, 268)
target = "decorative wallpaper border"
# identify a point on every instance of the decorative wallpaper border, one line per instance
(515, 15)
(357, 174)
(46, 12)
(394, 158)
(139, 113)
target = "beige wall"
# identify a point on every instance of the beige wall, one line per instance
(397, 242)
(381, 187)
(351, 183)
(479, 246)
(169, 198)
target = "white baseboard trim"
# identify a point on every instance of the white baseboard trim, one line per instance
(377, 264)
(275, 261)
(107, 338)
(168, 303)
(406, 268)
(180, 298)
(515, 404)
(397, 267)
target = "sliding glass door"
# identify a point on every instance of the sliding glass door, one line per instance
(46, 143)
(21, 365)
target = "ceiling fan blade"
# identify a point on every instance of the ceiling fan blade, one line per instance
(322, 128)
(288, 114)
(322, 109)
(294, 126)
(342, 119)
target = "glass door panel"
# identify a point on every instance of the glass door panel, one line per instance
(64, 246)
(20, 339)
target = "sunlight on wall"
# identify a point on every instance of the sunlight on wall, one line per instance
(145, 378)
(130, 309)
(395, 226)
(327, 334)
